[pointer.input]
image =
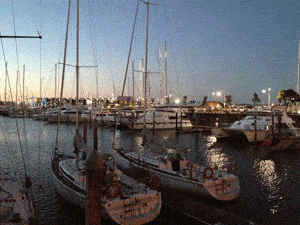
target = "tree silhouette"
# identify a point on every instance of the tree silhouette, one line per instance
(255, 98)
(288, 96)
(204, 100)
(184, 100)
(228, 99)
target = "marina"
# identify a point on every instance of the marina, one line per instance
(149, 112)
(269, 184)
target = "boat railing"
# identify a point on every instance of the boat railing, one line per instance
(296, 132)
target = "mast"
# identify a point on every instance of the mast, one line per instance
(298, 85)
(166, 63)
(160, 71)
(63, 75)
(131, 41)
(77, 66)
(146, 62)
(6, 75)
(17, 91)
(23, 97)
(55, 80)
(133, 80)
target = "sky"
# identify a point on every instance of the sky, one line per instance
(237, 47)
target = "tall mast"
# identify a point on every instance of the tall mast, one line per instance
(166, 63)
(6, 75)
(133, 80)
(160, 71)
(146, 61)
(77, 65)
(23, 98)
(298, 67)
(55, 80)
(17, 90)
(63, 75)
(97, 84)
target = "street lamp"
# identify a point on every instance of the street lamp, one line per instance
(219, 94)
(264, 91)
(269, 97)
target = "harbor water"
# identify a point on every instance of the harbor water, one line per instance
(269, 180)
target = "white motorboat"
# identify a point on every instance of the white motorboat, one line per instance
(184, 175)
(157, 119)
(245, 128)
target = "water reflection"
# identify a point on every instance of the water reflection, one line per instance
(215, 157)
(265, 171)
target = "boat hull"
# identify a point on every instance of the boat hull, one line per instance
(137, 209)
(68, 193)
(128, 211)
(171, 179)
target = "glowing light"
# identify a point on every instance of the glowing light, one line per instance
(177, 101)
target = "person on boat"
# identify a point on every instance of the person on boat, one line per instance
(183, 163)
(119, 174)
(165, 164)
(176, 162)
(114, 174)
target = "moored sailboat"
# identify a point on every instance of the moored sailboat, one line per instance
(179, 173)
(124, 200)
(16, 205)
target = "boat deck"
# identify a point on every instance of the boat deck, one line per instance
(15, 203)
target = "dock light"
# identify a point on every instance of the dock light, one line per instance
(177, 101)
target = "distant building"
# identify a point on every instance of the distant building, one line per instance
(127, 100)
(213, 105)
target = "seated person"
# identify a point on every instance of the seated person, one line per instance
(176, 162)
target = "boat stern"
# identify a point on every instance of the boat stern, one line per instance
(224, 189)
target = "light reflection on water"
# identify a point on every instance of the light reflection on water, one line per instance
(269, 183)
(215, 156)
(265, 171)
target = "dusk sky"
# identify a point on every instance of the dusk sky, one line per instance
(236, 47)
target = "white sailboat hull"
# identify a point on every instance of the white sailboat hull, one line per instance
(69, 194)
(137, 209)
(228, 190)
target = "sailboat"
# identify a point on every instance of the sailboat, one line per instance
(177, 172)
(16, 200)
(16, 206)
(125, 200)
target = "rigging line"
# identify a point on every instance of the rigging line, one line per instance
(10, 152)
(14, 22)
(132, 35)
(6, 72)
(40, 51)
(18, 66)
(94, 53)
(63, 76)
(24, 124)
(22, 153)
